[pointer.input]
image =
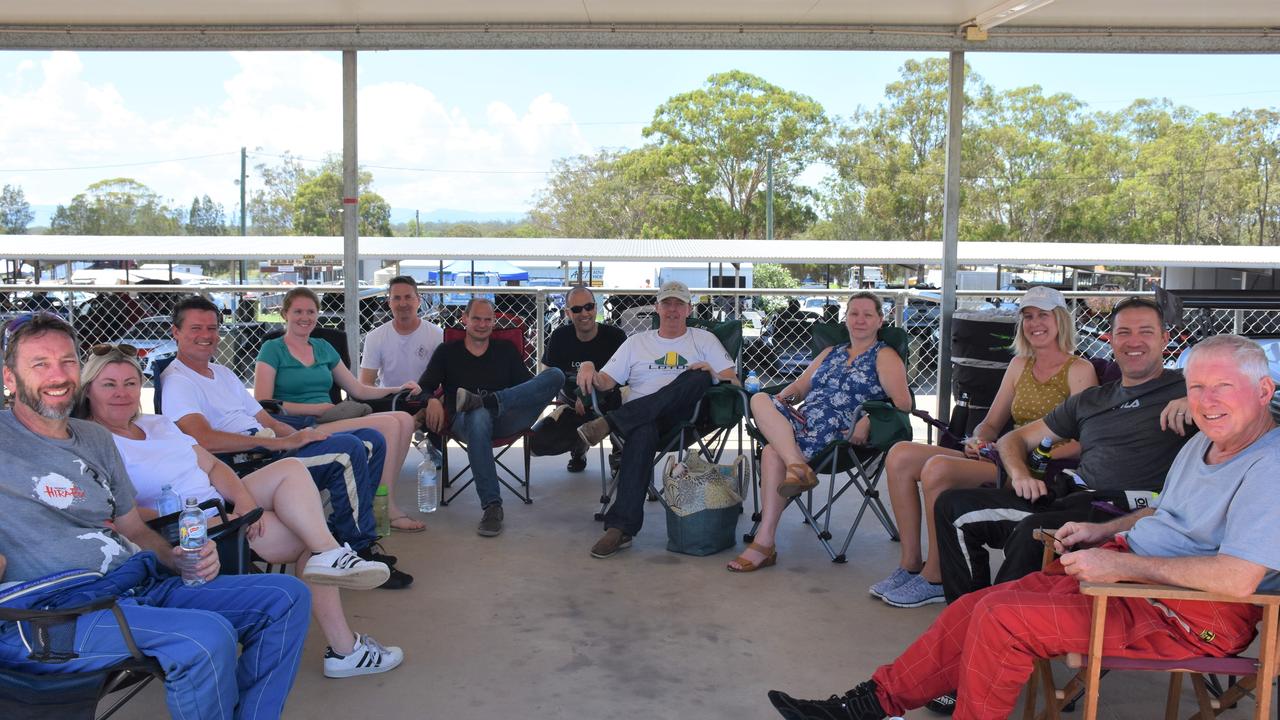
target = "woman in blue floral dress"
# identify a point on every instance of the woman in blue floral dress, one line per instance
(833, 387)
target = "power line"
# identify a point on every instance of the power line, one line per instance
(118, 165)
(448, 171)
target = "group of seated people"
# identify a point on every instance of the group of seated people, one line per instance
(86, 469)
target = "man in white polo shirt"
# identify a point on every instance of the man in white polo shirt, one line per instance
(668, 370)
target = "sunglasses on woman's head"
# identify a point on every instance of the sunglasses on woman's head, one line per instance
(105, 348)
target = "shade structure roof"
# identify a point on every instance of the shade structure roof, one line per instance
(292, 249)
(1135, 25)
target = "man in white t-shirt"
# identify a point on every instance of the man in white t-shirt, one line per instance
(208, 402)
(668, 370)
(397, 352)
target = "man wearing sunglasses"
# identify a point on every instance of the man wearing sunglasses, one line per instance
(579, 348)
(68, 505)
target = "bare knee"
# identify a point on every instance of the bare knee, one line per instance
(902, 464)
(935, 476)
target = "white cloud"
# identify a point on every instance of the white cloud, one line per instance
(56, 118)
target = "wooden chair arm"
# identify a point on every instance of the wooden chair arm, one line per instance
(1168, 592)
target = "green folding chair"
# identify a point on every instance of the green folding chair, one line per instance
(862, 466)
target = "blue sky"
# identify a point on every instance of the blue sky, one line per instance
(488, 124)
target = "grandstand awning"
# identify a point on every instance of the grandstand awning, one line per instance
(300, 250)
(1063, 26)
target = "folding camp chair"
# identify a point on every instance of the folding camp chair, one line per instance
(718, 414)
(1256, 675)
(862, 466)
(234, 554)
(53, 696)
(513, 333)
(26, 695)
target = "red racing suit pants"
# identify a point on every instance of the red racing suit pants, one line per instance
(983, 646)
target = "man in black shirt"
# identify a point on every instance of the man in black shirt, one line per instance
(580, 347)
(488, 393)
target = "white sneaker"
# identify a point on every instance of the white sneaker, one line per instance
(366, 658)
(342, 567)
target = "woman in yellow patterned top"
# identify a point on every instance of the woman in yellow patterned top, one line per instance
(1043, 373)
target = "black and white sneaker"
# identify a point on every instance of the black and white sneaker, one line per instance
(859, 703)
(342, 567)
(366, 658)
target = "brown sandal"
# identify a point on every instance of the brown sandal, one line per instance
(800, 478)
(746, 566)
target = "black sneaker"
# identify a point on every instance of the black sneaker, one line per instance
(397, 581)
(577, 463)
(859, 703)
(943, 704)
(373, 553)
(467, 400)
(491, 523)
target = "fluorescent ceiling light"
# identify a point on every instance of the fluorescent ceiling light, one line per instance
(1006, 11)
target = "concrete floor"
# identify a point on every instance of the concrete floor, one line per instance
(528, 625)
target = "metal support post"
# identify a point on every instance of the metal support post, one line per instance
(350, 207)
(950, 229)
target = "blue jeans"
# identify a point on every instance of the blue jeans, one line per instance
(348, 465)
(518, 407)
(193, 633)
(641, 423)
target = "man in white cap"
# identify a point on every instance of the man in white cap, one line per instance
(668, 370)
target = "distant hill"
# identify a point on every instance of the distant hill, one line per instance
(446, 215)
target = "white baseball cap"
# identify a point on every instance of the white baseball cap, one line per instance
(1045, 298)
(675, 289)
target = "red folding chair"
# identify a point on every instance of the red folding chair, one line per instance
(514, 333)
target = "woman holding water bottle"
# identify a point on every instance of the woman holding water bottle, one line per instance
(292, 528)
(834, 385)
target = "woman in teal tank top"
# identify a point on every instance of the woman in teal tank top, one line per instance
(298, 370)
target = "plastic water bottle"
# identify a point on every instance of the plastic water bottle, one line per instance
(168, 503)
(752, 383)
(381, 514)
(1038, 460)
(428, 479)
(193, 533)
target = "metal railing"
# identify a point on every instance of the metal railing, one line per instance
(776, 337)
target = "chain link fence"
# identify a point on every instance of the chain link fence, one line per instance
(776, 323)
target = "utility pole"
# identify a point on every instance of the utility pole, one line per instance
(417, 224)
(244, 212)
(768, 196)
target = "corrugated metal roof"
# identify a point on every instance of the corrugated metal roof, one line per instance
(870, 252)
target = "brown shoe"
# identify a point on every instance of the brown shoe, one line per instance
(800, 478)
(610, 543)
(594, 431)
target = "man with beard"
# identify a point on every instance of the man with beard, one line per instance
(65, 486)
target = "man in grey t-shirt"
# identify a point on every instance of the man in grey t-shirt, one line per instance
(68, 504)
(1124, 456)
